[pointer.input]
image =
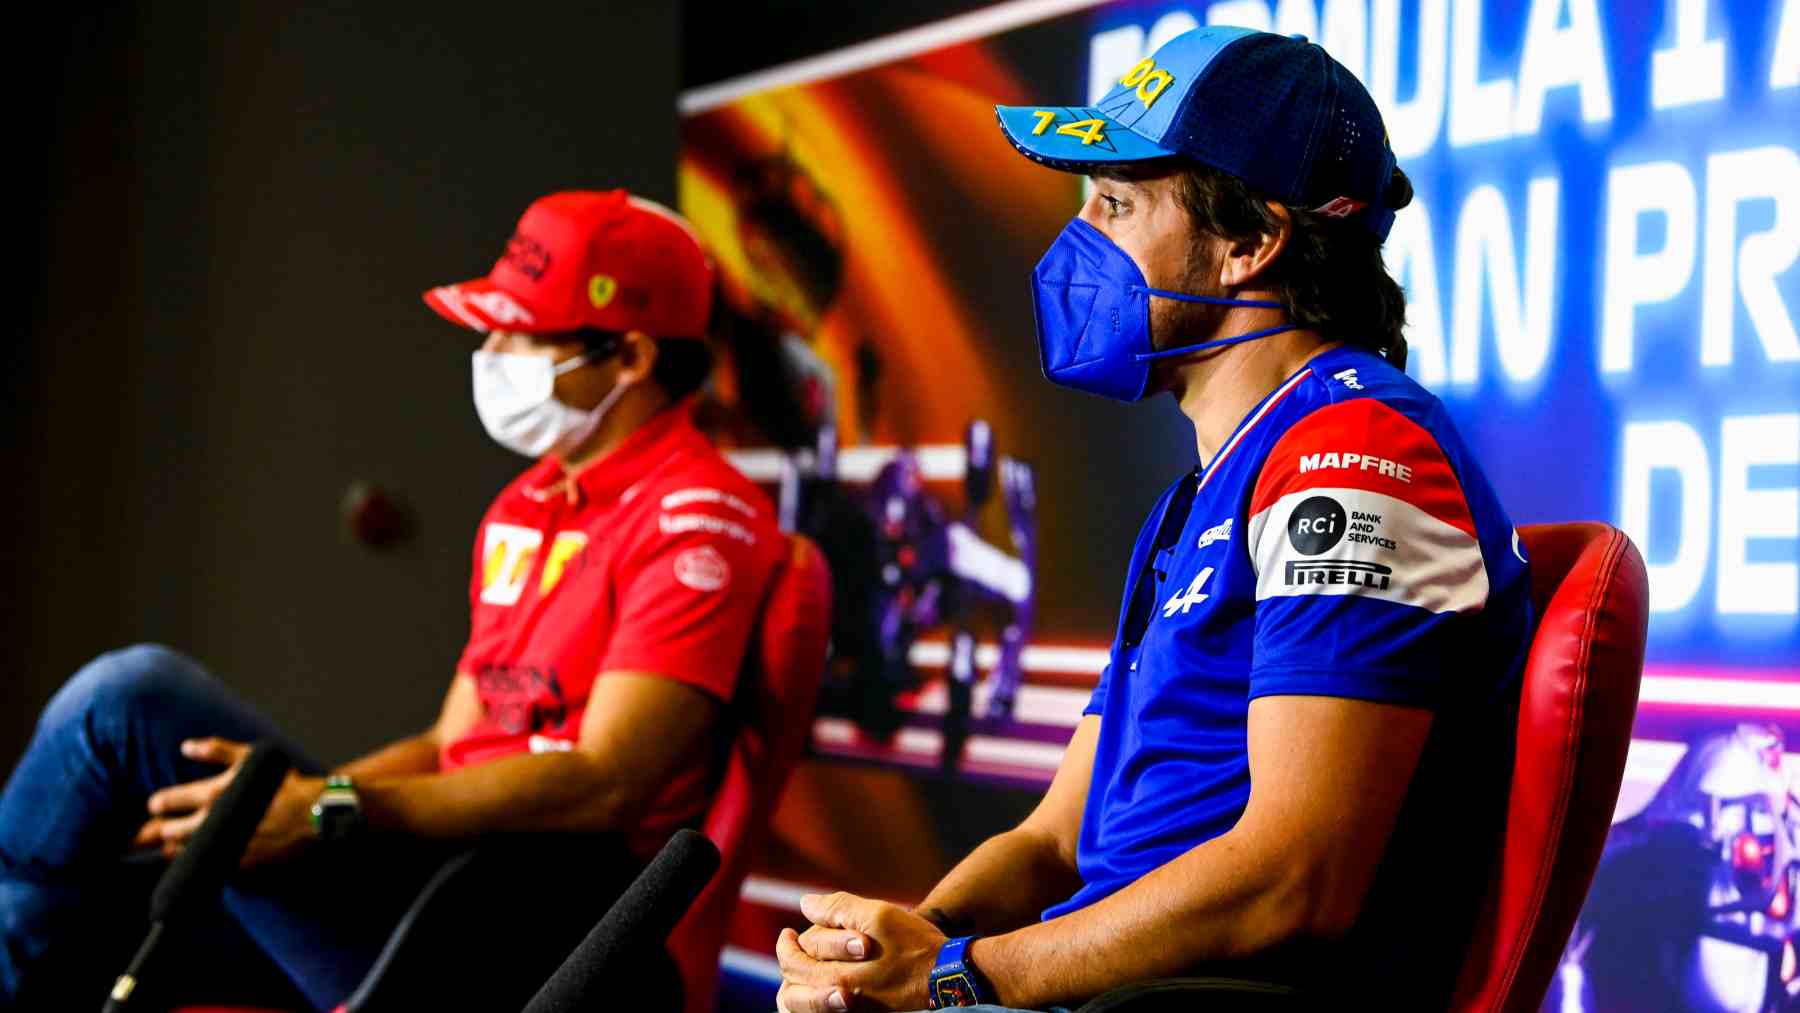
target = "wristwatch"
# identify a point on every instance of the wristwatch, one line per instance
(954, 979)
(338, 814)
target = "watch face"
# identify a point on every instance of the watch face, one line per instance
(955, 990)
(331, 821)
(338, 819)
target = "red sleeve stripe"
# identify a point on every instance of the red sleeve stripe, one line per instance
(1364, 444)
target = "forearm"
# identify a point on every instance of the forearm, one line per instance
(1224, 900)
(1003, 884)
(528, 792)
(417, 754)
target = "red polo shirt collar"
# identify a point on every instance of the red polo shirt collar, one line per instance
(666, 436)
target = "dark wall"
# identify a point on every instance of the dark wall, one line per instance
(236, 209)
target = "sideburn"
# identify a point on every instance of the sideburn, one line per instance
(1174, 322)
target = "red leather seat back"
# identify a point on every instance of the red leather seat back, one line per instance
(775, 708)
(1576, 708)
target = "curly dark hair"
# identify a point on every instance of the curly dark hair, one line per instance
(1331, 277)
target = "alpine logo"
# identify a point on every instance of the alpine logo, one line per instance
(1340, 207)
(1188, 599)
(1327, 571)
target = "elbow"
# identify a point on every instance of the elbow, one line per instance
(1330, 918)
(603, 811)
(604, 802)
(1313, 903)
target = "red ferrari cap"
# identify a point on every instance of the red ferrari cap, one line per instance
(590, 259)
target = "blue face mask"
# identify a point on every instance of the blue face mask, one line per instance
(1093, 316)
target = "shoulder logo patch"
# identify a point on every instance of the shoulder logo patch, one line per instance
(1316, 525)
(703, 569)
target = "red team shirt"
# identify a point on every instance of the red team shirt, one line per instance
(654, 559)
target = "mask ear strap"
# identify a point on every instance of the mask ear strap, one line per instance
(573, 362)
(1170, 353)
(1210, 300)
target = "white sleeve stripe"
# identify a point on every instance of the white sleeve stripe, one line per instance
(1357, 542)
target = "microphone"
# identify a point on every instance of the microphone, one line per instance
(197, 875)
(643, 915)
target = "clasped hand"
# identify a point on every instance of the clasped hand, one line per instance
(860, 954)
(177, 811)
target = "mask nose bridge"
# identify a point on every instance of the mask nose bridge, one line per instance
(524, 377)
(1099, 258)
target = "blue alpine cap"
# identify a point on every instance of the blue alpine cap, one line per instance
(1275, 111)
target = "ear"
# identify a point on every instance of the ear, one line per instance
(636, 357)
(1246, 263)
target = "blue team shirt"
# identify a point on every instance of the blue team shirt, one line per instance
(1342, 543)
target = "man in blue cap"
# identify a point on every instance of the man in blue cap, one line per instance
(1295, 764)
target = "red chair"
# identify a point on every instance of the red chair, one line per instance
(782, 688)
(777, 693)
(1575, 715)
(1576, 707)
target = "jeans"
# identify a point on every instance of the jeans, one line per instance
(70, 913)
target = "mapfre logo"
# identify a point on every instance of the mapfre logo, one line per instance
(703, 569)
(1337, 460)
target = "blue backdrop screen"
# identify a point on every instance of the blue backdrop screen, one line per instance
(1601, 270)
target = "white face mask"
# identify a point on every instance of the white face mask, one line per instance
(515, 397)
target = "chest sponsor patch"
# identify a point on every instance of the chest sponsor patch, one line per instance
(1216, 533)
(703, 569)
(522, 698)
(565, 548)
(508, 552)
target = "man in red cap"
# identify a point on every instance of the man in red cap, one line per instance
(614, 590)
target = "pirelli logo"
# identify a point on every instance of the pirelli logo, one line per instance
(1302, 572)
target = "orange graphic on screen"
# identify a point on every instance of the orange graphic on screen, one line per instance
(828, 208)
